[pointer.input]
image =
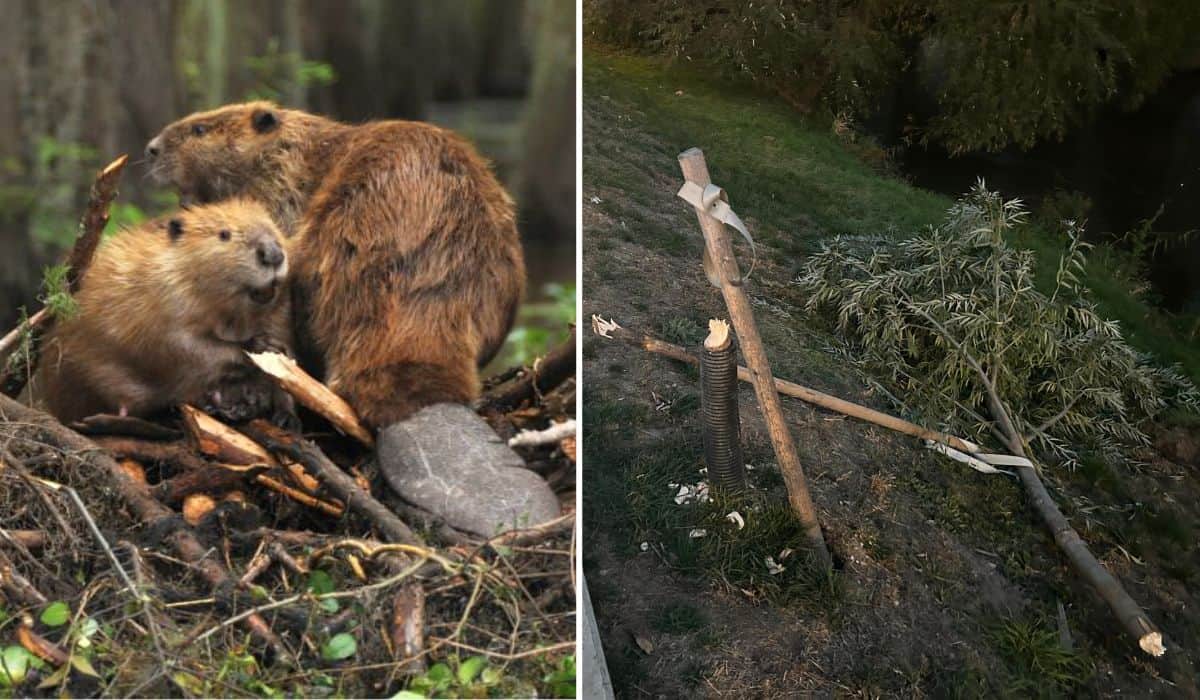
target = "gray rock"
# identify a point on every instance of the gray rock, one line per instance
(447, 460)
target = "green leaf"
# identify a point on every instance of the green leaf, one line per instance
(329, 605)
(408, 695)
(470, 668)
(439, 672)
(14, 664)
(320, 582)
(340, 646)
(84, 666)
(56, 614)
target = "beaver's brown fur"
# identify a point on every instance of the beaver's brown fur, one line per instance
(165, 311)
(408, 269)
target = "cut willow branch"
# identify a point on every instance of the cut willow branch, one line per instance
(609, 329)
(1128, 612)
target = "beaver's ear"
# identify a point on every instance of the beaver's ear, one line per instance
(264, 120)
(174, 229)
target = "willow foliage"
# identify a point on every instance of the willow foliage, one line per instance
(914, 313)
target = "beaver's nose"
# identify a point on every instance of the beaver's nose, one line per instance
(270, 254)
(154, 147)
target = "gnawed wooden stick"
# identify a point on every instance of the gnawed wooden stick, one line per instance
(313, 394)
(91, 226)
(231, 447)
(222, 443)
(610, 329)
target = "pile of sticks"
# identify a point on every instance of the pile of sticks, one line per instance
(200, 494)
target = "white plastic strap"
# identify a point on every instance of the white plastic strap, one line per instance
(980, 461)
(712, 200)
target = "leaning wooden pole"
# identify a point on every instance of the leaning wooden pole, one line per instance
(720, 252)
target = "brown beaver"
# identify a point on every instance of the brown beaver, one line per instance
(408, 269)
(165, 311)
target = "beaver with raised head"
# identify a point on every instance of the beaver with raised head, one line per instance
(408, 268)
(165, 311)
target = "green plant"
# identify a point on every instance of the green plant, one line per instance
(471, 677)
(277, 74)
(937, 310)
(682, 331)
(1000, 73)
(1037, 664)
(560, 683)
(55, 294)
(541, 325)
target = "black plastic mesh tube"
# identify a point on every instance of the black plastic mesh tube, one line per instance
(719, 411)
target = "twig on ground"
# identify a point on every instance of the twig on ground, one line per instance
(552, 435)
(547, 373)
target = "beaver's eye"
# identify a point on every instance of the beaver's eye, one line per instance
(224, 234)
(199, 129)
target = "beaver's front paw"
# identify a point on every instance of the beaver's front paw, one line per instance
(265, 343)
(238, 402)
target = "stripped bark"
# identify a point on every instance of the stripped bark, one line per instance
(720, 252)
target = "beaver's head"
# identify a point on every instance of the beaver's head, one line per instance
(210, 156)
(228, 251)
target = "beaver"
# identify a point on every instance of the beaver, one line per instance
(408, 267)
(165, 311)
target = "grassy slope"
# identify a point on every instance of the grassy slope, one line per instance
(797, 183)
(795, 174)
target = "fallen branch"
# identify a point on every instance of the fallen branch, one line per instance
(341, 484)
(547, 373)
(91, 226)
(313, 394)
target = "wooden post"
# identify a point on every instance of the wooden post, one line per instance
(720, 252)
